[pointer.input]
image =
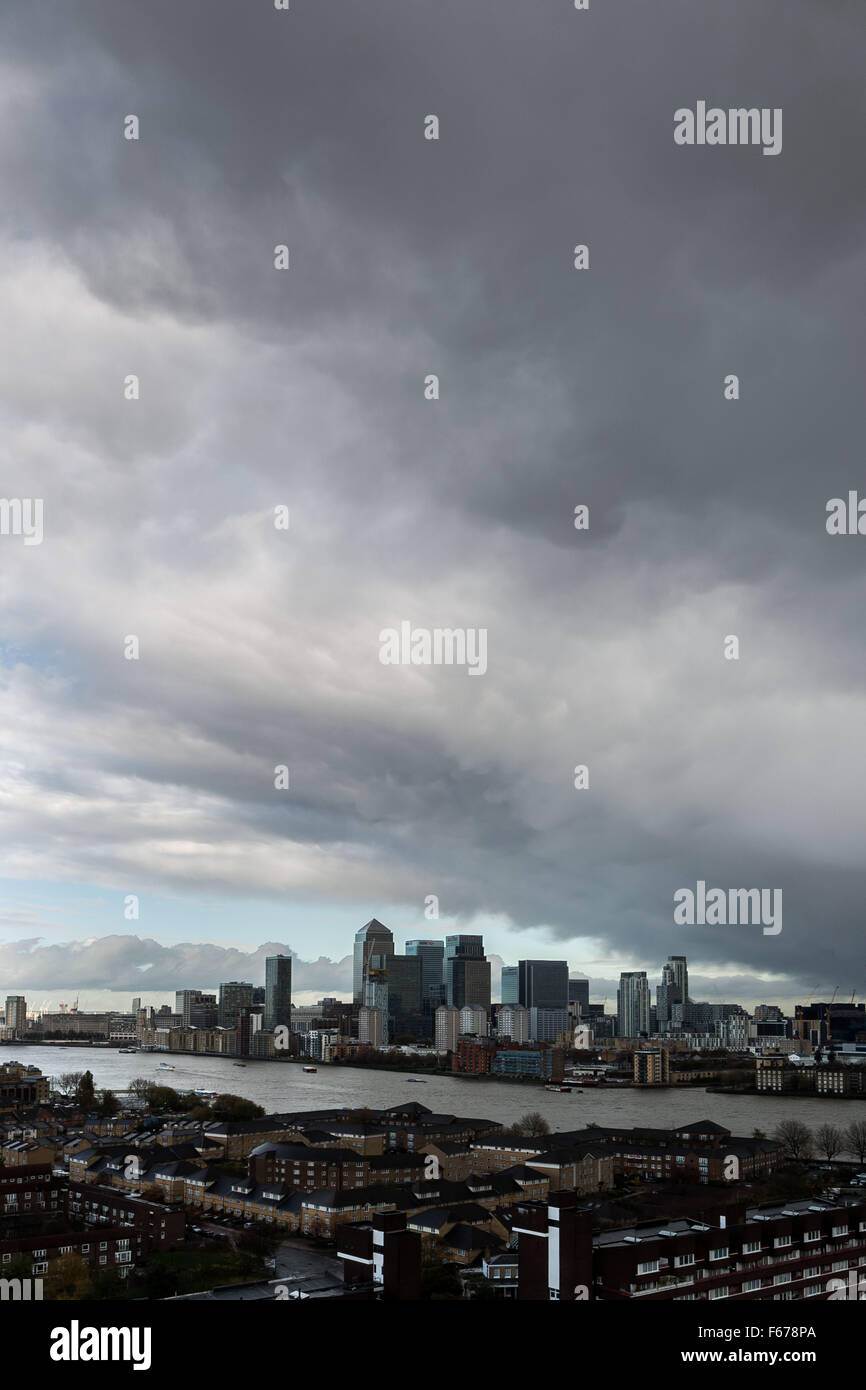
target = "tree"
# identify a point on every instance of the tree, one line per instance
(108, 1104)
(139, 1087)
(758, 1134)
(830, 1140)
(533, 1125)
(68, 1082)
(855, 1139)
(68, 1278)
(229, 1107)
(164, 1098)
(85, 1094)
(795, 1137)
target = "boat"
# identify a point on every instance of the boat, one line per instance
(128, 1050)
(206, 1095)
(416, 1080)
(164, 1066)
(566, 1090)
(311, 1068)
(238, 1064)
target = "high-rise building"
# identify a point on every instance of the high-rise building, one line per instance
(633, 1004)
(136, 1004)
(474, 1019)
(278, 992)
(543, 984)
(371, 1026)
(405, 1014)
(512, 1023)
(234, 994)
(467, 972)
(680, 969)
(545, 1025)
(16, 1014)
(372, 939)
(447, 1028)
(432, 957)
(509, 988)
(197, 1010)
(578, 993)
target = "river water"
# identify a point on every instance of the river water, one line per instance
(279, 1086)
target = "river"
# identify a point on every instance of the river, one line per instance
(279, 1086)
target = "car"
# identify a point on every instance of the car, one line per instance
(248, 1225)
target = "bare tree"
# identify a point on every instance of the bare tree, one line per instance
(532, 1124)
(830, 1140)
(855, 1139)
(796, 1138)
(68, 1082)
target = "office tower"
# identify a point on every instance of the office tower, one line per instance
(405, 1014)
(667, 994)
(545, 1025)
(203, 1011)
(16, 1014)
(278, 992)
(259, 994)
(432, 957)
(543, 984)
(136, 1004)
(372, 939)
(578, 993)
(509, 990)
(467, 972)
(190, 1001)
(233, 995)
(633, 1004)
(249, 1022)
(447, 1028)
(512, 1023)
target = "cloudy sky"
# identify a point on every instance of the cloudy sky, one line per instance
(304, 388)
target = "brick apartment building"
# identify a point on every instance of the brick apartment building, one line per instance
(777, 1251)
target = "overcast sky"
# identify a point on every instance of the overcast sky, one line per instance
(305, 388)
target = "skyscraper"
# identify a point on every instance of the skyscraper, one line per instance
(233, 995)
(681, 976)
(633, 1004)
(432, 957)
(16, 1014)
(278, 992)
(543, 984)
(578, 993)
(372, 939)
(467, 972)
(509, 988)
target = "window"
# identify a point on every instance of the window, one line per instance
(750, 1285)
(781, 1241)
(721, 1292)
(811, 1235)
(648, 1267)
(720, 1253)
(681, 1260)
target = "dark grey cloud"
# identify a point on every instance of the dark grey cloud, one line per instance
(454, 257)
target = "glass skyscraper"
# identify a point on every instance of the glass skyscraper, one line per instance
(278, 992)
